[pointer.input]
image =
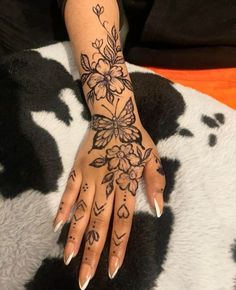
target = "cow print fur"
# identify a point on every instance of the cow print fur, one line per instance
(43, 118)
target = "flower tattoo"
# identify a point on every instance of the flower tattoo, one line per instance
(121, 157)
(129, 180)
(105, 81)
(125, 165)
(105, 77)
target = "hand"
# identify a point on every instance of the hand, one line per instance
(102, 178)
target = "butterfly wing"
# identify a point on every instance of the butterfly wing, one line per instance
(102, 138)
(127, 117)
(128, 132)
(105, 131)
(100, 123)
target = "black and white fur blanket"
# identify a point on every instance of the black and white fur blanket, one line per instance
(43, 117)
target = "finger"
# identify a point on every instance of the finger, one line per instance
(79, 220)
(154, 177)
(68, 198)
(122, 222)
(95, 237)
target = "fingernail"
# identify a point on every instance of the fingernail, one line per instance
(158, 211)
(67, 261)
(113, 267)
(85, 276)
(57, 226)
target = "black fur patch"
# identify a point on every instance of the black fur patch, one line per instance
(170, 168)
(185, 132)
(144, 258)
(210, 122)
(159, 104)
(233, 249)
(212, 140)
(30, 83)
(220, 117)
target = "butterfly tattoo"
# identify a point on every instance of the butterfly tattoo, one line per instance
(120, 126)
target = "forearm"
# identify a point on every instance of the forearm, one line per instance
(93, 28)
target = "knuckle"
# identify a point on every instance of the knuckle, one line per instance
(122, 223)
(100, 222)
(64, 208)
(91, 256)
(78, 221)
(70, 186)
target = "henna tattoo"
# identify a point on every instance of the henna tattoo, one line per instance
(98, 209)
(72, 175)
(85, 187)
(123, 212)
(117, 239)
(79, 218)
(71, 238)
(105, 77)
(92, 236)
(61, 205)
(125, 166)
(121, 126)
(81, 204)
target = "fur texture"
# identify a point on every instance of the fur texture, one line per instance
(43, 117)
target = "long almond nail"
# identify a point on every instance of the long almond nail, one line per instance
(57, 226)
(158, 211)
(67, 261)
(85, 276)
(113, 267)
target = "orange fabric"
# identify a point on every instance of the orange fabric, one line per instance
(218, 83)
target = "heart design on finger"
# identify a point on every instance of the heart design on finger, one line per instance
(123, 212)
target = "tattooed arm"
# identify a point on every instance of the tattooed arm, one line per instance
(116, 151)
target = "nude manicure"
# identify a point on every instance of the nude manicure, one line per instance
(85, 276)
(58, 225)
(158, 211)
(114, 267)
(67, 262)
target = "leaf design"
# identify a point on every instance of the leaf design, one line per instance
(128, 84)
(84, 78)
(99, 162)
(90, 95)
(147, 153)
(139, 153)
(108, 177)
(108, 53)
(85, 62)
(119, 59)
(110, 98)
(111, 42)
(114, 33)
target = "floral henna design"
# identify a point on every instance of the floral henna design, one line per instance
(92, 236)
(125, 166)
(121, 126)
(105, 77)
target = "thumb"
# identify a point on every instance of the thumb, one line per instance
(155, 182)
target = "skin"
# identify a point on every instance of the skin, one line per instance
(107, 167)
